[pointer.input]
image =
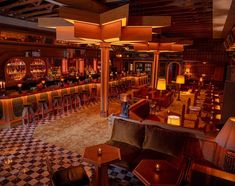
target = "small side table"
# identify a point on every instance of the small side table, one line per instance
(148, 175)
(108, 155)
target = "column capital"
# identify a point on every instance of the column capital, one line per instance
(156, 52)
(105, 45)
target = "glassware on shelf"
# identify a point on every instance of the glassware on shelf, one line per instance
(16, 69)
(38, 68)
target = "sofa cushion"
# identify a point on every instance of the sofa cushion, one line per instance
(128, 153)
(164, 141)
(128, 132)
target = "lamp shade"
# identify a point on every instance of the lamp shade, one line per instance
(180, 79)
(124, 97)
(161, 84)
(173, 120)
(226, 136)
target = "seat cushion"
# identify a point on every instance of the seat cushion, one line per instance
(152, 117)
(128, 132)
(70, 176)
(128, 153)
(164, 140)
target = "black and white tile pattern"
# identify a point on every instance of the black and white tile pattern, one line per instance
(23, 158)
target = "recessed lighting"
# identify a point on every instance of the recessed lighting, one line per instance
(204, 62)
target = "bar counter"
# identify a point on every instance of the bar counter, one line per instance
(11, 106)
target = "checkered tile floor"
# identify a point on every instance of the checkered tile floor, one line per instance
(23, 159)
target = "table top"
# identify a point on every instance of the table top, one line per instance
(108, 154)
(146, 172)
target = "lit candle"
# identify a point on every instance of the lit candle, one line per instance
(99, 151)
(157, 167)
(19, 85)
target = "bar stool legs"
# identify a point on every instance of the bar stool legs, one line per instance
(28, 115)
(57, 105)
(67, 102)
(42, 108)
(76, 101)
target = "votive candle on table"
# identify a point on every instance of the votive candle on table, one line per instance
(157, 167)
(99, 151)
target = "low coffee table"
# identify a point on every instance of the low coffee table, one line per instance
(108, 155)
(148, 175)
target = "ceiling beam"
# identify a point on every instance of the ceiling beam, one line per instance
(37, 13)
(19, 3)
(27, 9)
(88, 5)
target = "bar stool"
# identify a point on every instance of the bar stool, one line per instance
(67, 102)
(28, 114)
(85, 97)
(76, 101)
(93, 96)
(57, 104)
(42, 108)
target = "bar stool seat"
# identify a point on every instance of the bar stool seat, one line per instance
(85, 97)
(42, 108)
(57, 105)
(28, 114)
(93, 96)
(67, 102)
(76, 101)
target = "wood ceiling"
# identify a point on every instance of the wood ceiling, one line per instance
(191, 19)
(28, 10)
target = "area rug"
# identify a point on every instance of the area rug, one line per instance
(79, 129)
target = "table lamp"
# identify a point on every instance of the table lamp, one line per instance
(180, 79)
(161, 85)
(226, 139)
(124, 105)
(173, 120)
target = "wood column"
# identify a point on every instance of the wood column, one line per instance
(155, 69)
(81, 66)
(104, 47)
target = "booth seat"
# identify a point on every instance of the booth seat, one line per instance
(139, 141)
(140, 111)
(165, 99)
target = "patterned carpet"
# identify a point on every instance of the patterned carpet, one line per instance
(23, 157)
(79, 129)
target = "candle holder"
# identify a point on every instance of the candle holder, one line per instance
(43, 83)
(19, 85)
(157, 167)
(99, 151)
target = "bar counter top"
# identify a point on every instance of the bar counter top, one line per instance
(11, 105)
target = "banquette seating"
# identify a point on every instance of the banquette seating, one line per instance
(165, 100)
(140, 111)
(139, 141)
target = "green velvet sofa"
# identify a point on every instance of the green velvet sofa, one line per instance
(139, 141)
